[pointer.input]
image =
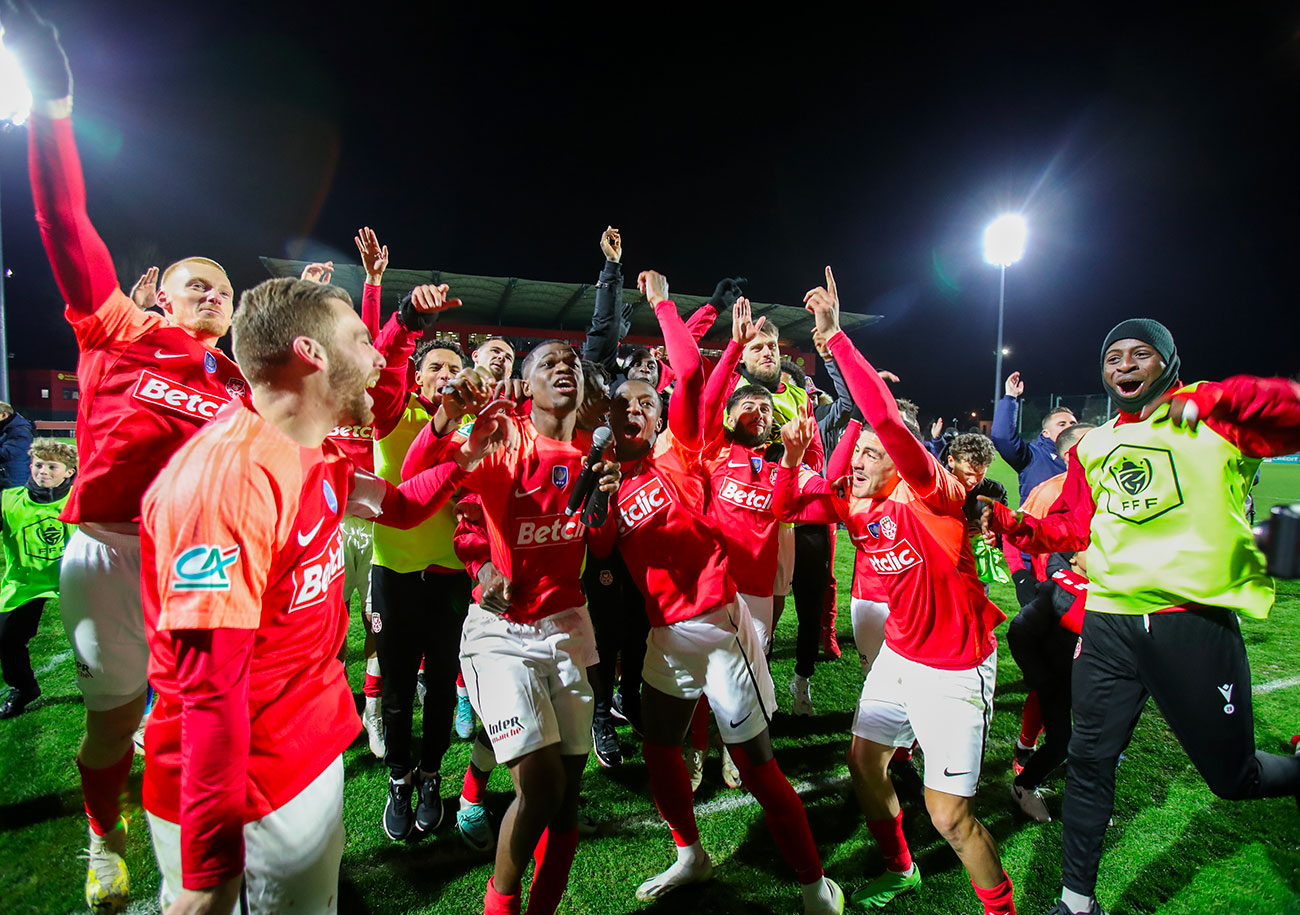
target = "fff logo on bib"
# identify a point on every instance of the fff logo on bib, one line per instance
(1140, 483)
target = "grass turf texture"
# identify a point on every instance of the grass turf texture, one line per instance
(1174, 849)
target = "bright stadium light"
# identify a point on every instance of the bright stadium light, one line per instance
(1004, 244)
(15, 97)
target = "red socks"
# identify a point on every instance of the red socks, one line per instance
(670, 786)
(997, 901)
(475, 785)
(552, 859)
(102, 790)
(700, 725)
(893, 846)
(373, 687)
(460, 677)
(495, 903)
(1031, 721)
(786, 818)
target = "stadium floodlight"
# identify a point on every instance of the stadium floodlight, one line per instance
(15, 97)
(1004, 244)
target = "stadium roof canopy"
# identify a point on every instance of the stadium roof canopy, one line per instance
(511, 302)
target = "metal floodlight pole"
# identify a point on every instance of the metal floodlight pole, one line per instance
(997, 371)
(4, 339)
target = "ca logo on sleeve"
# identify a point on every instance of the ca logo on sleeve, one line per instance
(1140, 483)
(203, 568)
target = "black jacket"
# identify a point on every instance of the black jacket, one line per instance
(15, 443)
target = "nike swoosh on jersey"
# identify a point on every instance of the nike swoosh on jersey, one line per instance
(159, 354)
(519, 493)
(303, 540)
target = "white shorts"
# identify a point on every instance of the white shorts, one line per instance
(717, 654)
(358, 550)
(291, 855)
(760, 612)
(99, 601)
(868, 618)
(784, 560)
(528, 681)
(946, 711)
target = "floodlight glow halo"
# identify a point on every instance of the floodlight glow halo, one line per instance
(15, 97)
(1004, 240)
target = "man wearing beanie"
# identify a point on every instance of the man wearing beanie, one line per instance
(1156, 497)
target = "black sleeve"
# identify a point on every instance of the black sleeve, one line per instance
(610, 319)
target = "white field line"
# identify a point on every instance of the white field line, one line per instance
(1274, 685)
(732, 801)
(54, 662)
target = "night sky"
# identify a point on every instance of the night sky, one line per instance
(1156, 158)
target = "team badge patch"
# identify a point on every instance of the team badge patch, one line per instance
(606, 577)
(756, 463)
(888, 527)
(560, 476)
(203, 568)
(873, 528)
(376, 623)
(1139, 483)
(330, 499)
(1078, 648)
(235, 387)
(209, 363)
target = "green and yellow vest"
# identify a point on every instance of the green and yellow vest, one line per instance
(34, 539)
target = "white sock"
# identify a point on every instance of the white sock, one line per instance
(817, 892)
(372, 666)
(907, 873)
(1021, 746)
(1076, 902)
(404, 780)
(461, 692)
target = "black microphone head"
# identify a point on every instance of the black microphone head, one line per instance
(601, 438)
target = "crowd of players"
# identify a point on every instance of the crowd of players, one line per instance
(227, 509)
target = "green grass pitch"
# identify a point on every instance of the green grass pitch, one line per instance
(1174, 848)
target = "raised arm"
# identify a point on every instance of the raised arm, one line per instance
(838, 465)
(1014, 450)
(1066, 526)
(609, 322)
(684, 354)
(1261, 416)
(841, 409)
(374, 258)
(722, 380)
(702, 319)
(873, 398)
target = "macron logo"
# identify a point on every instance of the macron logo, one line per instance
(745, 496)
(640, 505)
(900, 557)
(176, 397)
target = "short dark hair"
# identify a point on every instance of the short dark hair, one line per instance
(973, 448)
(797, 375)
(275, 312)
(527, 364)
(746, 391)
(429, 344)
(1069, 436)
(487, 340)
(1055, 411)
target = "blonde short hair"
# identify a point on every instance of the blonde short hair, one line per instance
(51, 449)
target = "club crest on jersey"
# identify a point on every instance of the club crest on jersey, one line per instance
(873, 528)
(560, 476)
(756, 463)
(209, 363)
(328, 492)
(203, 568)
(888, 527)
(235, 387)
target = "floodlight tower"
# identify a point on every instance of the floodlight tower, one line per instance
(15, 106)
(1004, 244)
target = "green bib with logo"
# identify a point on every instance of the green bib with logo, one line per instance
(429, 542)
(34, 539)
(1170, 522)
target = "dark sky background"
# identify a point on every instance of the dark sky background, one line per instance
(1155, 155)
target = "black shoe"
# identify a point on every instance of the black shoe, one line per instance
(398, 818)
(428, 810)
(608, 752)
(17, 700)
(1062, 909)
(627, 709)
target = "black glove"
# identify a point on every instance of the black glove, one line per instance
(1026, 586)
(726, 293)
(412, 318)
(35, 44)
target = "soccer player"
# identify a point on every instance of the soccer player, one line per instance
(34, 540)
(526, 668)
(242, 565)
(933, 679)
(148, 383)
(1157, 498)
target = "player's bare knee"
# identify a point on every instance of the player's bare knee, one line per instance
(952, 818)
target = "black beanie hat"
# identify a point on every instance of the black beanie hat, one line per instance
(1152, 332)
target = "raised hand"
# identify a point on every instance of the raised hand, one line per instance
(1015, 387)
(145, 291)
(936, 428)
(418, 310)
(823, 303)
(653, 285)
(374, 256)
(993, 521)
(610, 476)
(491, 432)
(318, 272)
(611, 244)
(886, 375)
(726, 292)
(819, 344)
(743, 326)
(797, 435)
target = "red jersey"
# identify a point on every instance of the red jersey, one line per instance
(866, 583)
(241, 531)
(358, 442)
(676, 554)
(524, 491)
(146, 385)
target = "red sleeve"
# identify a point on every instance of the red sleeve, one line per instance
(79, 258)
(722, 381)
(470, 539)
(428, 448)
(212, 670)
(806, 501)
(1067, 525)
(1261, 416)
(815, 456)
(396, 344)
(842, 456)
(370, 293)
(684, 354)
(699, 323)
(418, 498)
(915, 465)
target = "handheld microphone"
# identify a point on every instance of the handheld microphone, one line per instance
(600, 440)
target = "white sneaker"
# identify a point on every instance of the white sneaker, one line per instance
(692, 866)
(695, 766)
(138, 740)
(108, 884)
(825, 898)
(1032, 803)
(373, 722)
(801, 689)
(730, 771)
